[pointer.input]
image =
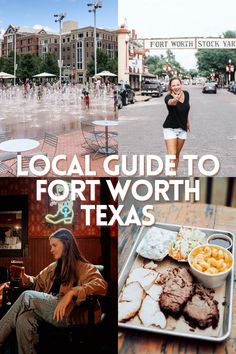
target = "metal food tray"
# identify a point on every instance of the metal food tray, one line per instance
(228, 308)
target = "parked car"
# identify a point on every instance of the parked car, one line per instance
(119, 103)
(214, 82)
(152, 88)
(210, 87)
(194, 81)
(164, 86)
(232, 86)
(126, 93)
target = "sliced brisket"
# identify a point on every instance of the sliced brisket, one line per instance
(202, 310)
(178, 289)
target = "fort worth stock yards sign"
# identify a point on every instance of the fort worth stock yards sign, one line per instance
(189, 43)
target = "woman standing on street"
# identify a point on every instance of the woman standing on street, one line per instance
(177, 123)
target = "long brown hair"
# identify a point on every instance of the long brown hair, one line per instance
(71, 255)
(170, 82)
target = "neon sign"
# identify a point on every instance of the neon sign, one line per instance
(64, 212)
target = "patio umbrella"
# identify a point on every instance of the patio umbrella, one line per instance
(6, 75)
(44, 75)
(106, 73)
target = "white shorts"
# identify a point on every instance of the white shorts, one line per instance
(174, 133)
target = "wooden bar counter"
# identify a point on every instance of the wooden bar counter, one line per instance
(200, 215)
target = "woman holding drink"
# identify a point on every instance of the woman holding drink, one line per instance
(56, 290)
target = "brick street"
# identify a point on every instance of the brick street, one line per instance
(212, 118)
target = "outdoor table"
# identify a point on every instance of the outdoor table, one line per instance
(106, 123)
(200, 215)
(18, 145)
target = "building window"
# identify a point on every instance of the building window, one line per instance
(55, 41)
(63, 40)
(99, 44)
(110, 50)
(87, 44)
(80, 35)
(80, 55)
(87, 34)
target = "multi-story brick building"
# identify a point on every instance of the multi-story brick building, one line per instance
(26, 40)
(77, 49)
(76, 43)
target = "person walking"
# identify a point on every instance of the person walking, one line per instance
(177, 123)
(86, 100)
(56, 291)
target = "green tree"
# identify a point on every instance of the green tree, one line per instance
(193, 72)
(28, 65)
(215, 60)
(49, 64)
(103, 63)
(156, 63)
(7, 64)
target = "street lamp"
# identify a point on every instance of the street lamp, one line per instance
(95, 5)
(59, 18)
(230, 68)
(15, 30)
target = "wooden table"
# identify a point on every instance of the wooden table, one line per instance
(201, 215)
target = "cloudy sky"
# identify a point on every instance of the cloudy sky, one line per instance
(32, 13)
(181, 18)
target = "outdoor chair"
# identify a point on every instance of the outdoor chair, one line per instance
(6, 170)
(49, 146)
(86, 338)
(93, 142)
(5, 156)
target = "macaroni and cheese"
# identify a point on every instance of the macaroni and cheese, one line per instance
(211, 259)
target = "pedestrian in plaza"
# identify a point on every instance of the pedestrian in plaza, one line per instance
(115, 97)
(86, 100)
(40, 91)
(57, 290)
(177, 123)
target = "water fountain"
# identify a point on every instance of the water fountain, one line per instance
(26, 114)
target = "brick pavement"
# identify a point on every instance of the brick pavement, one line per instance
(71, 144)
